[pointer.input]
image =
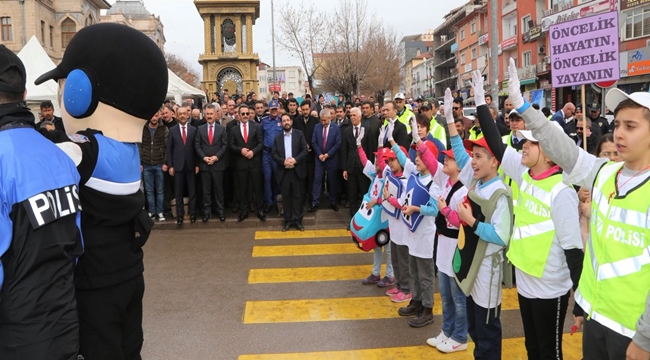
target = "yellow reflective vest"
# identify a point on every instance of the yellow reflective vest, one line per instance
(534, 231)
(616, 274)
(473, 133)
(507, 139)
(438, 132)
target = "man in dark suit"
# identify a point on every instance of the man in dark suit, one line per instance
(211, 143)
(563, 114)
(289, 152)
(400, 133)
(326, 142)
(372, 125)
(246, 146)
(358, 182)
(181, 161)
(306, 124)
(343, 123)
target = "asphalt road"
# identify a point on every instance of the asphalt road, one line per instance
(202, 301)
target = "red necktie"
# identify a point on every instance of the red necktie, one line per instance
(210, 135)
(356, 132)
(245, 133)
(324, 139)
(184, 135)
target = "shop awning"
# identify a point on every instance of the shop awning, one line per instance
(527, 82)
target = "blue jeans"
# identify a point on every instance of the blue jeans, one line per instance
(376, 265)
(454, 309)
(153, 183)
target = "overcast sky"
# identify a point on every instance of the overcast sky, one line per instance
(184, 27)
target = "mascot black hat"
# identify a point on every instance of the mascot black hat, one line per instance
(115, 65)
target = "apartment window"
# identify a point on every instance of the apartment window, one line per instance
(51, 36)
(637, 23)
(527, 58)
(514, 29)
(292, 86)
(68, 29)
(472, 27)
(462, 58)
(5, 25)
(473, 54)
(42, 32)
(524, 23)
(89, 20)
(292, 73)
(462, 34)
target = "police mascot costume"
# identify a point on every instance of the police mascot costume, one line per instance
(40, 237)
(112, 80)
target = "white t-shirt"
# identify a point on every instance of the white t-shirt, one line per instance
(487, 288)
(556, 279)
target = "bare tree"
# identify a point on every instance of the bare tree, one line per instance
(384, 74)
(304, 32)
(182, 69)
(349, 54)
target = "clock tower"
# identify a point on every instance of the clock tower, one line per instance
(228, 60)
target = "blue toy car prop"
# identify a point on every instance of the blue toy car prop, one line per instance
(369, 228)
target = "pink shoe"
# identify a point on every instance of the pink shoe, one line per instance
(393, 291)
(401, 297)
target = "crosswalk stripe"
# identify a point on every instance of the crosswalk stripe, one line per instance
(337, 309)
(513, 349)
(308, 274)
(303, 250)
(307, 234)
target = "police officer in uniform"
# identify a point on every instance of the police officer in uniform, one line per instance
(271, 127)
(39, 231)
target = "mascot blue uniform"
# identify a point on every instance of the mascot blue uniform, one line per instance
(40, 237)
(113, 80)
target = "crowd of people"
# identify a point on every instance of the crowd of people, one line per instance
(472, 199)
(223, 155)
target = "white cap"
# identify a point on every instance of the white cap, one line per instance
(514, 112)
(400, 96)
(615, 96)
(528, 135)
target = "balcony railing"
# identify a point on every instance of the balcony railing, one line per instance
(542, 67)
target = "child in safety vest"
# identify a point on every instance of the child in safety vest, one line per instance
(486, 227)
(453, 336)
(546, 246)
(392, 193)
(419, 208)
(375, 172)
(615, 277)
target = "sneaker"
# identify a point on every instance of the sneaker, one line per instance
(152, 215)
(372, 279)
(434, 341)
(161, 217)
(451, 345)
(401, 297)
(386, 281)
(393, 291)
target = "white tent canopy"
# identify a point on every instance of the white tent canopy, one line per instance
(37, 62)
(179, 89)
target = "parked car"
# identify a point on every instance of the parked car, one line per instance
(469, 112)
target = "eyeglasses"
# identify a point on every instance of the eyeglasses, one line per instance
(456, 108)
(608, 154)
(579, 128)
(244, 113)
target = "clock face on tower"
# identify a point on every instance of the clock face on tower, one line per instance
(228, 32)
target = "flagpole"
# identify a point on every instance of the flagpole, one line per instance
(273, 37)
